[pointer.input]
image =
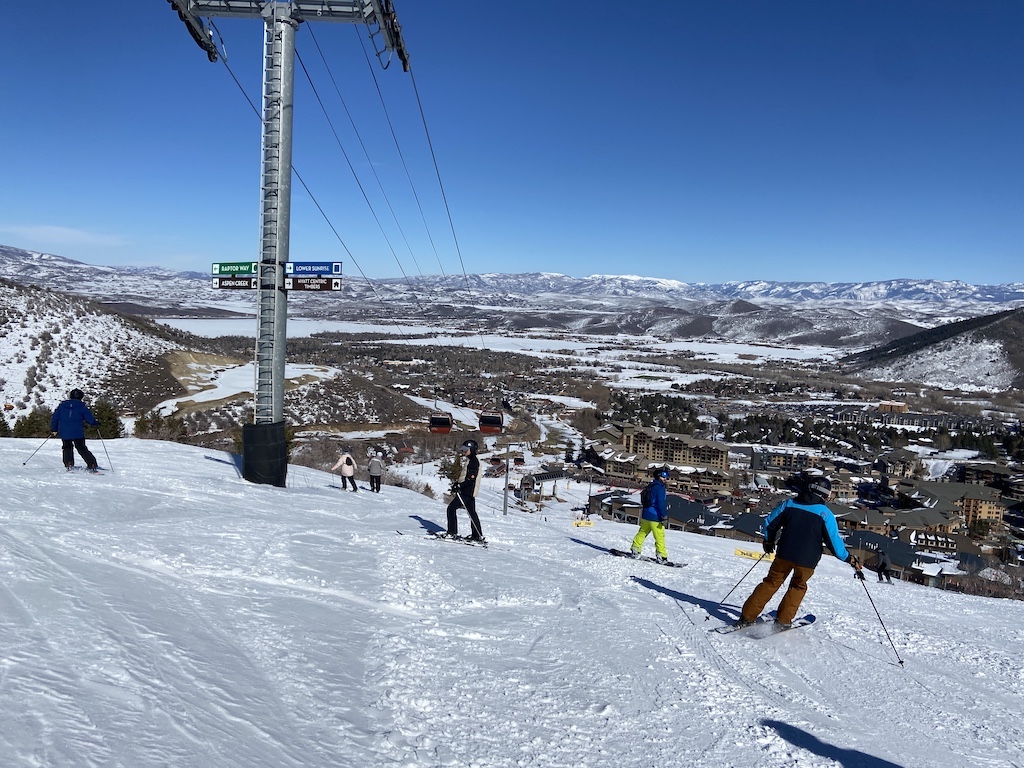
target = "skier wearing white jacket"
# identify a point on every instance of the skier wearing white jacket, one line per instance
(347, 465)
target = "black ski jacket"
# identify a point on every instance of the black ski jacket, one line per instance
(804, 528)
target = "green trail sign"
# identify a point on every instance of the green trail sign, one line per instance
(235, 268)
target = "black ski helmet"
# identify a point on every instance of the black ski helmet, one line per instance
(76, 394)
(470, 445)
(662, 473)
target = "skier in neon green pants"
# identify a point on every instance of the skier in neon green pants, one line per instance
(653, 518)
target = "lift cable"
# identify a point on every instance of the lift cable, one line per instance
(355, 176)
(362, 145)
(437, 171)
(401, 155)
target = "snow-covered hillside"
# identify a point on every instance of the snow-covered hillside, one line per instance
(51, 342)
(964, 363)
(168, 613)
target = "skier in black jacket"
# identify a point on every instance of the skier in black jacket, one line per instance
(465, 493)
(801, 526)
(884, 566)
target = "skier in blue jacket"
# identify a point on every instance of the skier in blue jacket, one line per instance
(653, 518)
(68, 422)
(801, 527)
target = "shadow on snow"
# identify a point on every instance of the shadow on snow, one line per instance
(848, 758)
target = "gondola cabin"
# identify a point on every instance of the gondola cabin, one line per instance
(440, 423)
(491, 422)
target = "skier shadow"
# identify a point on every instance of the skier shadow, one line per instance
(727, 613)
(598, 547)
(428, 525)
(848, 758)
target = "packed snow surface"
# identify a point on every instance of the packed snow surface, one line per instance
(167, 613)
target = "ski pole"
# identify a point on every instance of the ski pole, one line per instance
(884, 629)
(26, 461)
(104, 444)
(762, 557)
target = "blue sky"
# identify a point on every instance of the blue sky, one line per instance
(704, 142)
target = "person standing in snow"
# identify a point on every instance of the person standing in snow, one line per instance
(801, 526)
(466, 489)
(653, 517)
(884, 566)
(68, 422)
(376, 469)
(347, 465)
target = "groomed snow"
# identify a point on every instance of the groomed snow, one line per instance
(167, 613)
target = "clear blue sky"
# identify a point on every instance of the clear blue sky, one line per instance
(699, 141)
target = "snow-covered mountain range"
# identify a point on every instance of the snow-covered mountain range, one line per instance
(149, 283)
(850, 316)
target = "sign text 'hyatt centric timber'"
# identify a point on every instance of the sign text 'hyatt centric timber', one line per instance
(312, 283)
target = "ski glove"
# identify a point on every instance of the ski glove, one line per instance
(53, 434)
(768, 546)
(858, 574)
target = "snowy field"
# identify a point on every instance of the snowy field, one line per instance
(611, 359)
(168, 613)
(542, 343)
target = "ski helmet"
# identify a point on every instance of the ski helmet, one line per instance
(662, 473)
(470, 445)
(76, 394)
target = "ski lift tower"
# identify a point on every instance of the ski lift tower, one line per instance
(264, 451)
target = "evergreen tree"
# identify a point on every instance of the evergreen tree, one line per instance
(35, 424)
(110, 422)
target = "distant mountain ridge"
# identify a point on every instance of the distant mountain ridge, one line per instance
(750, 290)
(68, 275)
(853, 316)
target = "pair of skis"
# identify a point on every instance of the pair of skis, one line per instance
(764, 626)
(458, 539)
(439, 536)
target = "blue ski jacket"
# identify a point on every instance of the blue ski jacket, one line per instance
(69, 420)
(804, 528)
(657, 509)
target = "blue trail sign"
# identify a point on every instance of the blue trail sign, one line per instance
(303, 268)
